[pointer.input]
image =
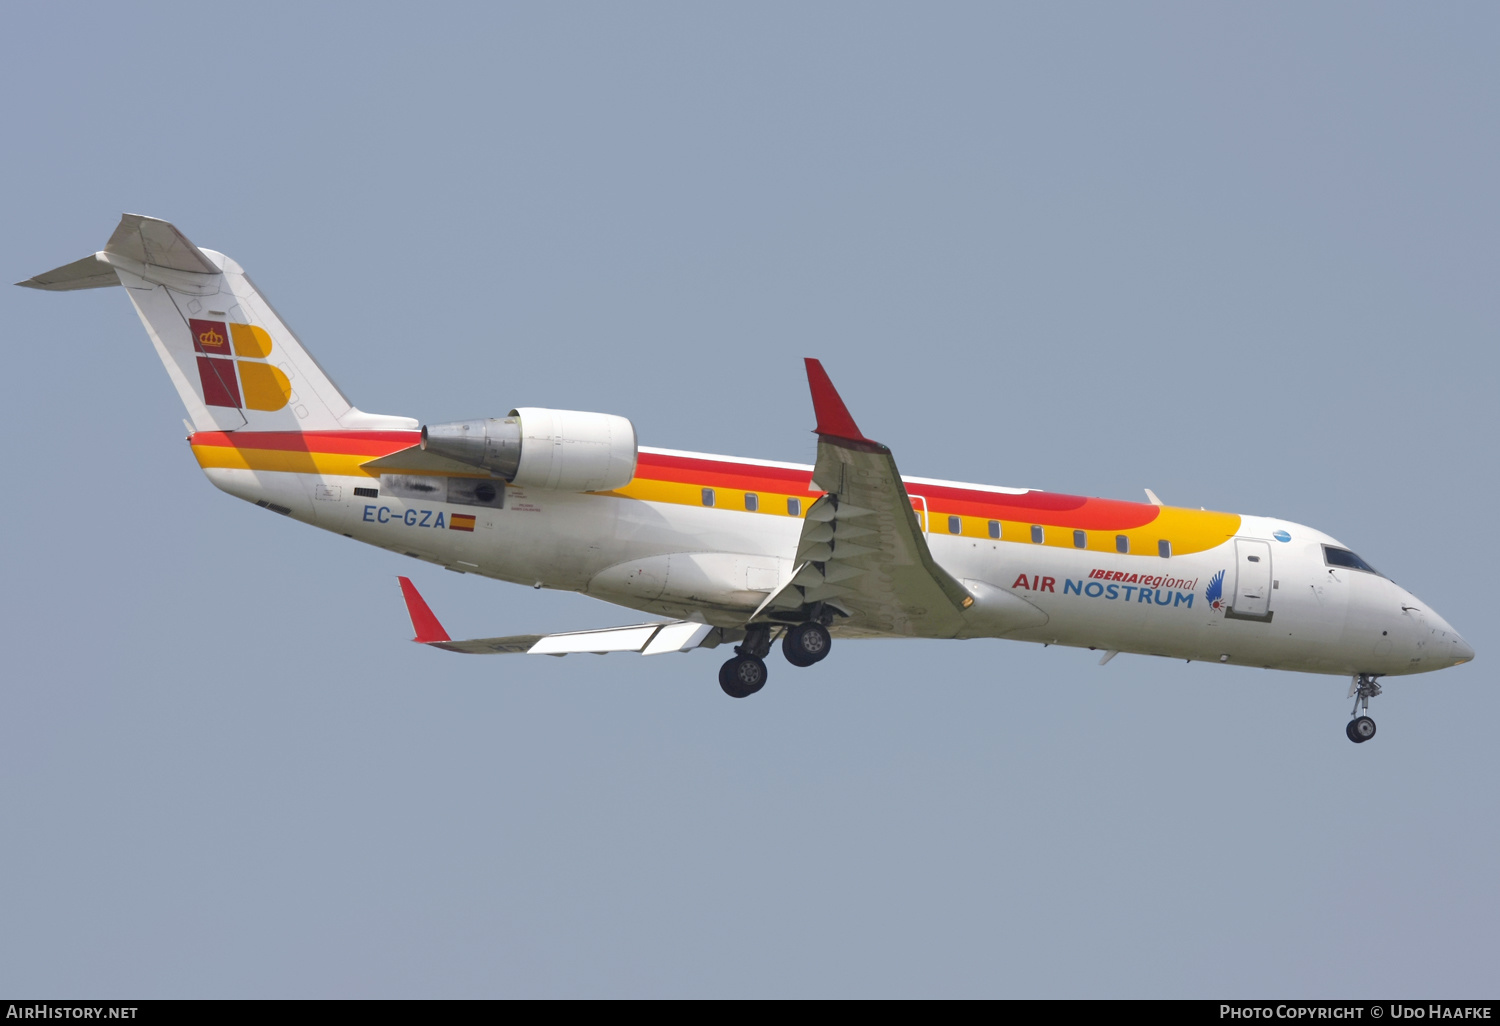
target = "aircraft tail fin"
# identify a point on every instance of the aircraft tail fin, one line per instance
(234, 362)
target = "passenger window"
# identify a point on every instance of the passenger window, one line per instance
(1253, 559)
(1122, 543)
(794, 507)
(1036, 533)
(708, 496)
(752, 501)
(955, 526)
(1080, 539)
(1164, 549)
(994, 528)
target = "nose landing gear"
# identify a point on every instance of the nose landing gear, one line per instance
(1362, 689)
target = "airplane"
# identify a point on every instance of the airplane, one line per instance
(743, 552)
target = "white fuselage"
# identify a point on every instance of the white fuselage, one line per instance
(716, 565)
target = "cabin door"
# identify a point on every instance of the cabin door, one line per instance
(1252, 586)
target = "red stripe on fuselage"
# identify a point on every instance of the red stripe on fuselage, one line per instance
(1050, 509)
(655, 466)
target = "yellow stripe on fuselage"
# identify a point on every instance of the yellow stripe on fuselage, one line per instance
(1189, 531)
(286, 461)
(678, 493)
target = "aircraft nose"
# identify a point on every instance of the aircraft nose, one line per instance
(1462, 651)
(1431, 641)
(1450, 647)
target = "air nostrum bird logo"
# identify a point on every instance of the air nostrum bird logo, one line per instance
(1214, 593)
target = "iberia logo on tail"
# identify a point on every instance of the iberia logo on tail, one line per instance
(231, 366)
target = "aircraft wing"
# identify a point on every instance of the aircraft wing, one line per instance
(862, 549)
(645, 638)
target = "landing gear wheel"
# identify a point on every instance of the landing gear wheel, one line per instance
(742, 676)
(806, 643)
(1360, 729)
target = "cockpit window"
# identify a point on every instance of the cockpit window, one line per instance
(1345, 558)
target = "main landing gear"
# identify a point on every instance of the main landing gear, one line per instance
(1361, 728)
(742, 676)
(806, 643)
(745, 674)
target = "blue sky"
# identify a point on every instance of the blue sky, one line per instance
(1242, 256)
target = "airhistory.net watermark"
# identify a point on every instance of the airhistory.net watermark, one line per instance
(42, 1010)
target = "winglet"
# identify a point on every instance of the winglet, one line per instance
(423, 622)
(833, 415)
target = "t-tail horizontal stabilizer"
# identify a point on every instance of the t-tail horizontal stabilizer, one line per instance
(644, 638)
(235, 364)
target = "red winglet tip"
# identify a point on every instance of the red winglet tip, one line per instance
(422, 621)
(833, 415)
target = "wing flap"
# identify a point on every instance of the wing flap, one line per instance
(677, 637)
(645, 639)
(611, 639)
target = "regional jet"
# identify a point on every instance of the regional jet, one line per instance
(743, 553)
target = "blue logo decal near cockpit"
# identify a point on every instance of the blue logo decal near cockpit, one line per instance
(1281, 536)
(1214, 593)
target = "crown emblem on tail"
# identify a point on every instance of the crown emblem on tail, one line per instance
(211, 338)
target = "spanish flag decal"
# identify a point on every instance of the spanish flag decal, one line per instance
(461, 522)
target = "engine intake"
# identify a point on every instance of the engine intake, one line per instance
(560, 450)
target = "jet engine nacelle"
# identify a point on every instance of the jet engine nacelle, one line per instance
(560, 450)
